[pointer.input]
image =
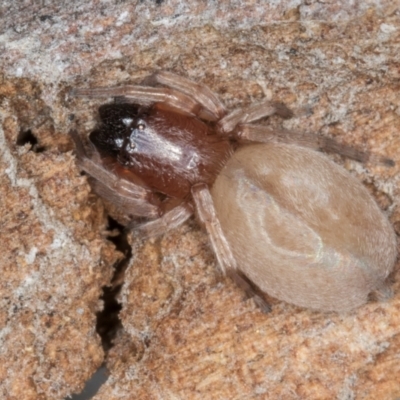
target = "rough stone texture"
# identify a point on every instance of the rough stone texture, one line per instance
(53, 262)
(187, 331)
(190, 335)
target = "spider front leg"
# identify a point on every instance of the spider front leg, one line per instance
(127, 196)
(182, 95)
(207, 215)
(144, 95)
(201, 93)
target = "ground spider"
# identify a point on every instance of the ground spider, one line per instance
(282, 218)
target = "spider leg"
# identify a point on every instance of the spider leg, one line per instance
(125, 195)
(250, 290)
(252, 113)
(259, 133)
(181, 95)
(210, 103)
(170, 220)
(207, 215)
(127, 204)
(145, 95)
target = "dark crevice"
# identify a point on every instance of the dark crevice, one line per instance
(26, 136)
(92, 386)
(108, 322)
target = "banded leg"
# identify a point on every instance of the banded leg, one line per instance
(182, 95)
(170, 220)
(213, 108)
(262, 134)
(125, 195)
(145, 95)
(206, 213)
(252, 113)
(137, 205)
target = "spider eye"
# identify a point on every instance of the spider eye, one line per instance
(141, 126)
(119, 142)
(127, 121)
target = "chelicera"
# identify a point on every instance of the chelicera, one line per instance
(282, 218)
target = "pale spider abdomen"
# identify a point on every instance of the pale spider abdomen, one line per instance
(302, 228)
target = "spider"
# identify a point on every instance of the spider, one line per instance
(282, 218)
